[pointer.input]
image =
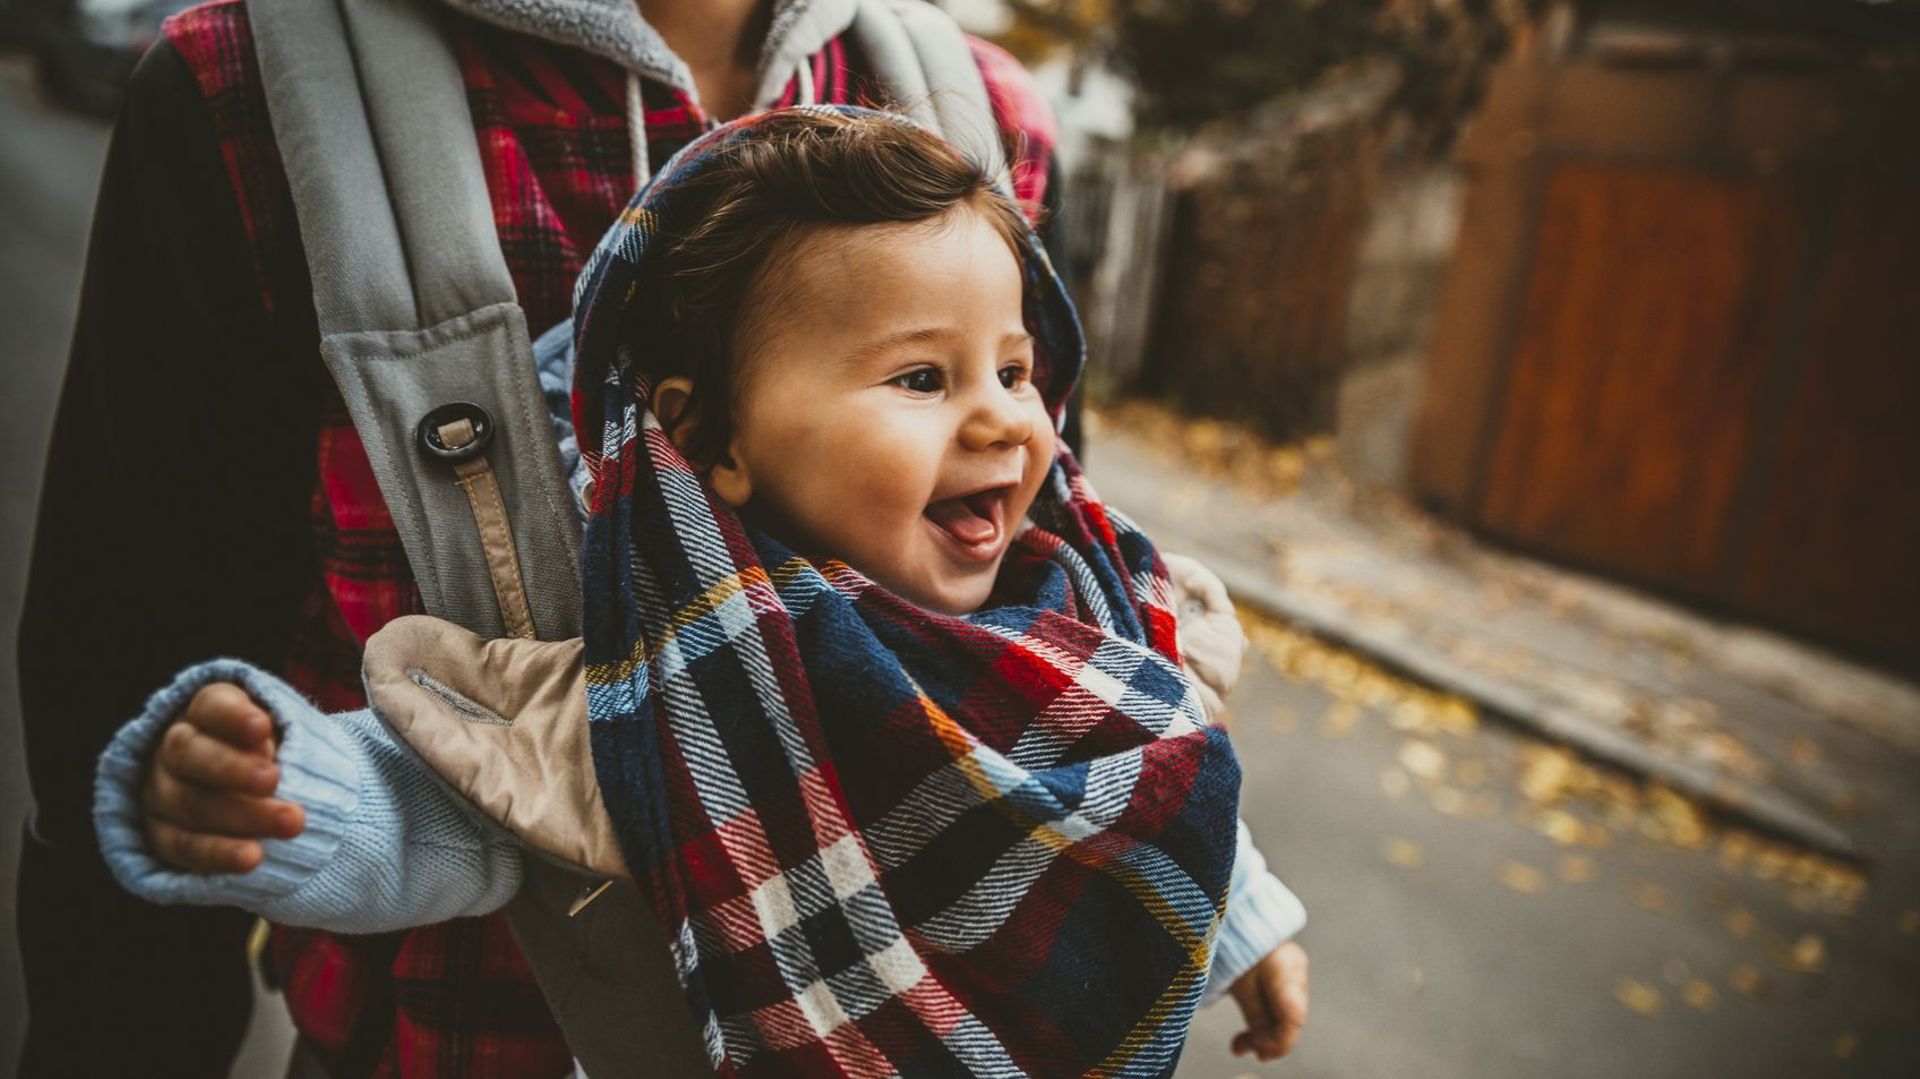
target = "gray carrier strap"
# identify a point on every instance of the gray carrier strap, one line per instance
(921, 57)
(416, 308)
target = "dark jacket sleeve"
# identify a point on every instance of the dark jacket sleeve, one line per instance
(1055, 242)
(172, 528)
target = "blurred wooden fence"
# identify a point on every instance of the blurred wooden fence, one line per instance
(1678, 344)
(1217, 277)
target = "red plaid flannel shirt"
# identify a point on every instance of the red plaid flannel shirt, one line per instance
(457, 999)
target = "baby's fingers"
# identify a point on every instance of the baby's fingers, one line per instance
(201, 852)
(190, 755)
(207, 809)
(224, 711)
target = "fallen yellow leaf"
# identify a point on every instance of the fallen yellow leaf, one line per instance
(1424, 760)
(1338, 722)
(1562, 827)
(1735, 847)
(1748, 979)
(1458, 718)
(1576, 868)
(1846, 1045)
(1544, 774)
(1699, 995)
(1522, 878)
(1740, 921)
(1637, 995)
(1649, 896)
(1404, 853)
(1680, 820)
(1910, 922)
(1806, 955)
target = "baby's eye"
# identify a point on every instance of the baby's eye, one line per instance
(924, 380)
(1013, 375)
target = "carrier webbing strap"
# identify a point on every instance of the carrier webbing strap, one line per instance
(416, 307)
(921, 57)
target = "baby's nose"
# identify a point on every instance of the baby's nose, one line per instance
(997, 420)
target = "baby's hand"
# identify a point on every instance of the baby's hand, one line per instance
(208, 796)
(1273, 1000)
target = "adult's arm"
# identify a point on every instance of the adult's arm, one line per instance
(172, 527)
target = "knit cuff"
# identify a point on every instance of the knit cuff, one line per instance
(318, 772)
(1261, 915)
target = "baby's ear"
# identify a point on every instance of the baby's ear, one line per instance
(679, 415)
(672, 404)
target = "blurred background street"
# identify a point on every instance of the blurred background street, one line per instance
(1584, 728)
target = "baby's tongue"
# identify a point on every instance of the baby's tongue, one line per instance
(961, 521)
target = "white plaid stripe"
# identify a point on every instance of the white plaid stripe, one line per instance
(980, 912)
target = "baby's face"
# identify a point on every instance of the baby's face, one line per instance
(885, 412)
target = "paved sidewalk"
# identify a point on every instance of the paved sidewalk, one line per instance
(1781, 736)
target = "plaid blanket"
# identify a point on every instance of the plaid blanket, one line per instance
(885, 841)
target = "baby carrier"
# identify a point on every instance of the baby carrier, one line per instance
(420, 329)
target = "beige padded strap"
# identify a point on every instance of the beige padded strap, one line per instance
(496, 532)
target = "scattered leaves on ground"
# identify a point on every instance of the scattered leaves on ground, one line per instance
(1699, 995)
(1576, 868)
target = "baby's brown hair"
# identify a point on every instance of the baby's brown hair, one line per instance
(756, 201)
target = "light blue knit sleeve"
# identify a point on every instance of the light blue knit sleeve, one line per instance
(1261, 915)
(385, 845)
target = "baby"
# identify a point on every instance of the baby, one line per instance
(834, 321)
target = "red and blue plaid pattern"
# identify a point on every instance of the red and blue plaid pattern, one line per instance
(886, 841)
(456, 999)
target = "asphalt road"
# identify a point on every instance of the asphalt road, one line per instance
(1477, 909)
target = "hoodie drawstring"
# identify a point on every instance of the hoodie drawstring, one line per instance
(805, 77)
(637, 133)
(637, 117)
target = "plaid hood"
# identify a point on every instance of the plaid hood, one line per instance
(883, 840)
(608, 284)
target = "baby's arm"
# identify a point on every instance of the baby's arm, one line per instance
(1261, 915)
(382, 844)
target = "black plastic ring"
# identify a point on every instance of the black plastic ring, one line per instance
(430, 424)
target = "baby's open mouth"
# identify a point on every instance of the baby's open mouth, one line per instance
(975, 522)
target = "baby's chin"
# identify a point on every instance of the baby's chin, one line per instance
(943, 594)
